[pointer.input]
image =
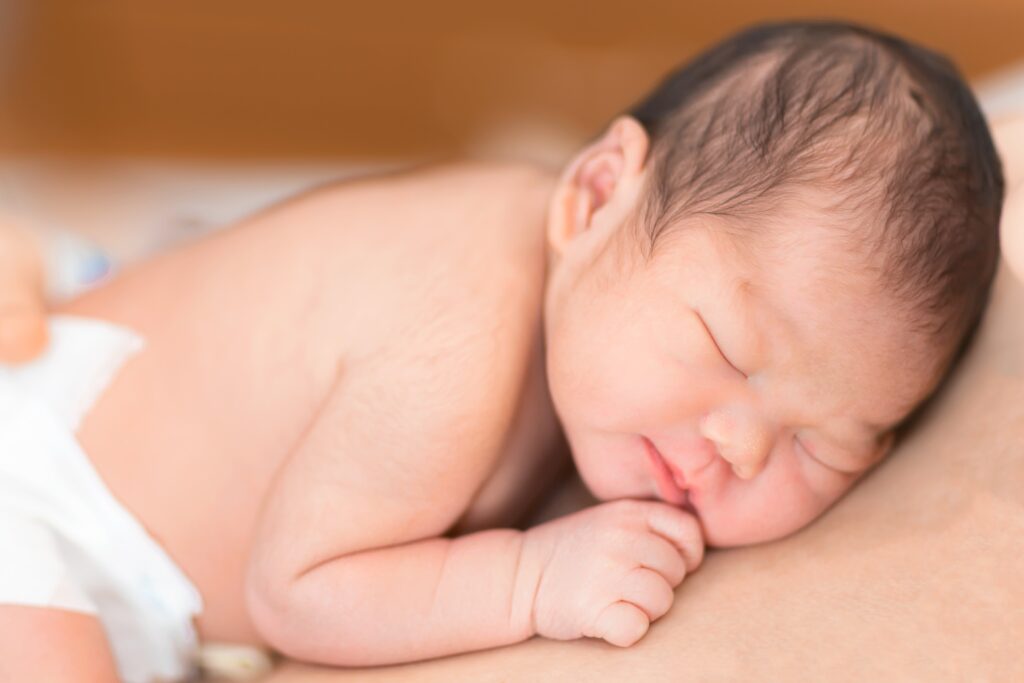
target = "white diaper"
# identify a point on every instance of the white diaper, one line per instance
(65, 542)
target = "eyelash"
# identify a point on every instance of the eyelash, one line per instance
(807, 451)
(718, 348)
(810, 454)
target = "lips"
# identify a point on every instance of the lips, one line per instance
(669, 480)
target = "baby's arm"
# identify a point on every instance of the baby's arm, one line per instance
(348, 568)
(40, 644)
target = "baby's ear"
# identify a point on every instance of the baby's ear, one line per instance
(604, 178)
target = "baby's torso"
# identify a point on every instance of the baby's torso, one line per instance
(248, 331)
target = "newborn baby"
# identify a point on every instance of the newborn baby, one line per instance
(726, 305)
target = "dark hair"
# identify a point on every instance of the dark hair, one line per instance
(886, 129)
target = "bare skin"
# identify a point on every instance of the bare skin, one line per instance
(1009, 135)
(411, 380)
(360, 391)
(904, 580)
(915, 576)
(308, 266)
(199, 482)
(22, 306)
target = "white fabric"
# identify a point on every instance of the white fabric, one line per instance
(65, 541)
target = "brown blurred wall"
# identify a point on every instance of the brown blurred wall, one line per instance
(331, 78)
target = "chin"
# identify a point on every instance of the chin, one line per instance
(604, 488)
(731, 535)
(605, 485)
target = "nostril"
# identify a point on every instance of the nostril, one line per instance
(745, 471)
(740, 435)
(711, 454)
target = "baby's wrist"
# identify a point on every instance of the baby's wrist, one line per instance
(535, 551)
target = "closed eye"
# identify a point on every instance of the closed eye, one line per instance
(717, 347)
(830, 463)
(809, 452)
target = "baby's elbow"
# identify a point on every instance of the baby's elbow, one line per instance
(292, 620)
(267, 602)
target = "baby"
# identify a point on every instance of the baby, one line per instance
(726, 306)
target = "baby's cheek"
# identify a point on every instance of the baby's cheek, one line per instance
(824, 483)
(776, 503)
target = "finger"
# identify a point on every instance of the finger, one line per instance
(660, 555)
(649, 591)
(621, 623)
(679, 528)
(22, 314)
(23, 333)
(22, 317)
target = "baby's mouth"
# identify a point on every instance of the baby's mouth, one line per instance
(670, 481)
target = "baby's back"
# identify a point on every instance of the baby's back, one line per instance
(248, 331)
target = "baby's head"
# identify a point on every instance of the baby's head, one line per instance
(759, 274)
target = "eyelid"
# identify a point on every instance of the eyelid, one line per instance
(802, 445)
(717, 347)
(815, 456)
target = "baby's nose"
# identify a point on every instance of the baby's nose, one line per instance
(743, 438)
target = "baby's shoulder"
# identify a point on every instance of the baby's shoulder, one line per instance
(441, 252)
(450, 271)
(434, 274)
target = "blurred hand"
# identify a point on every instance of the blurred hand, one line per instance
(22, 306)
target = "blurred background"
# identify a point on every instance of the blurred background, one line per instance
(137, 122)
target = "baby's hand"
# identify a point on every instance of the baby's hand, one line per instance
(22, 306)
(608, 571)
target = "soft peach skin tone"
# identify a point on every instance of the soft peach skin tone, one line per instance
(1010, 135)
(914, 576)
(22, 306)
(328, 387)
